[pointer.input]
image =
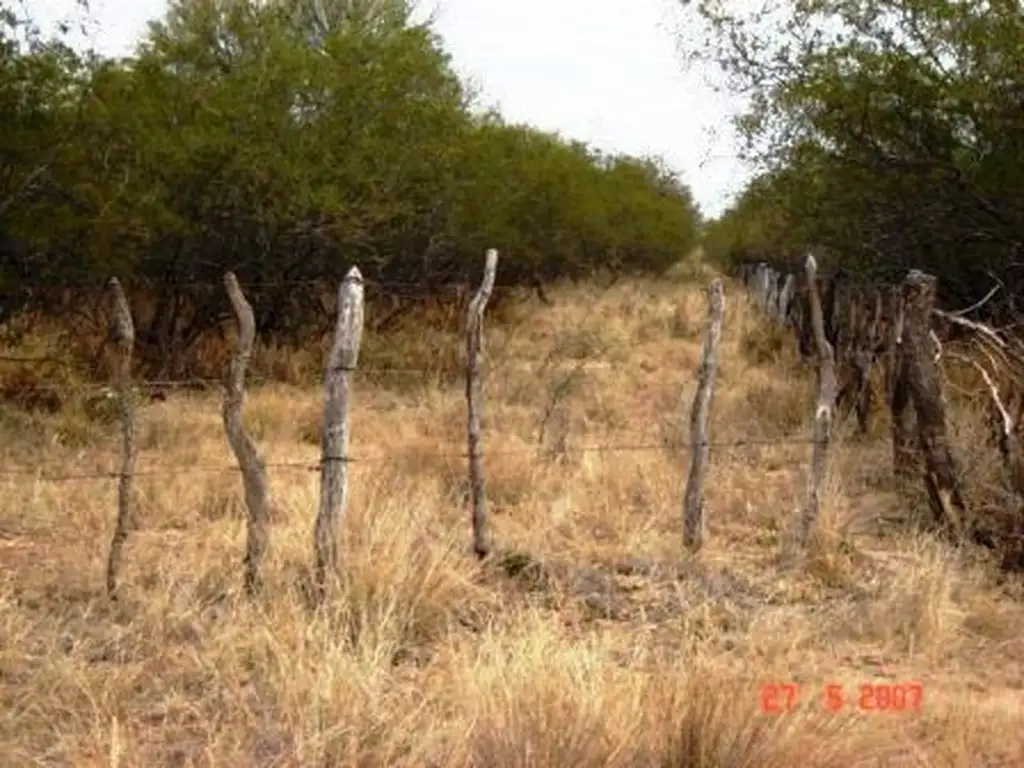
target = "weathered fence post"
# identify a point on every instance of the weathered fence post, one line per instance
(123, 332)
(823, 412)
(693, 506)
(786, 298)
(474, 400)
(763, 285)
(865, 352)
(254, 471)
(344, 357)
(904, 456)
(922, 381)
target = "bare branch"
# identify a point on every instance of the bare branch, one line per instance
(1004, 415)
(980, 328)
(978, 304)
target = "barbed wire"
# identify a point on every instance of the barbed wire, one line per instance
(198, 381)
(195, 382)
(639, 446)
(203, 383)
(170, 470)
(411, 285)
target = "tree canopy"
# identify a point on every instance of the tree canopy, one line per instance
(287, 140)
(888, 134)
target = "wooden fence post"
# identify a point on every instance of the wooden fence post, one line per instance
(904, 456)
(254, 471)
(123, 332)
(693, 506)
(786, 299)
(865, 354)
(344, 357)
(823, 412)
(474, 400)
(922, 381)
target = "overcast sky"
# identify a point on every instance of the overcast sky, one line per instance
(603, 71)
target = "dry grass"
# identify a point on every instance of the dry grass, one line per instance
(598, 644)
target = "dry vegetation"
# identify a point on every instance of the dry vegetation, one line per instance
(598, 644)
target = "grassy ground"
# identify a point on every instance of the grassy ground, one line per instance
(610, 648)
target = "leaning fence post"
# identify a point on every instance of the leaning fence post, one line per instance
(474, 401)
(922, 381)
(123, 332)
(334, 457)
(823, 412)
(693, 505)
(254, 471)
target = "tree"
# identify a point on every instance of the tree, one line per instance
(888, 132)
(285, 141)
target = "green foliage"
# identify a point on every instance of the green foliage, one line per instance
(888, 133)
(286, 141)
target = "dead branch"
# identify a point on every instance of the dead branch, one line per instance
(979, 328)
(978, 304)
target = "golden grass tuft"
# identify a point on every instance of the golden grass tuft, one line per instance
(591, 641)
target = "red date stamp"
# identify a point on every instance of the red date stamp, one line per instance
(777, 697)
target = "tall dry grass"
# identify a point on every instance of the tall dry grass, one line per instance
(598, 643)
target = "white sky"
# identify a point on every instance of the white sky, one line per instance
(602, 71)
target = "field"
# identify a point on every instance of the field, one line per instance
(598, 644)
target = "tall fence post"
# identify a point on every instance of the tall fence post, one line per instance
(474, 401)
(904, 457)
(254, 471)
(694, 529)
(341, 363)
(922, 381)
(123, 332)
(823, 412)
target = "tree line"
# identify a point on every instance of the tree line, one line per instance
(286, 140)
(886, 135)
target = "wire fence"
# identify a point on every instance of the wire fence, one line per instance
(38, 476)
(200, 382)
(644, 444)
(411, 287)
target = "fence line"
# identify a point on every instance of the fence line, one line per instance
(297, 283)
(203, 383)
(198, 381)
(892, 326)
(334, 460)
(169, 470)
